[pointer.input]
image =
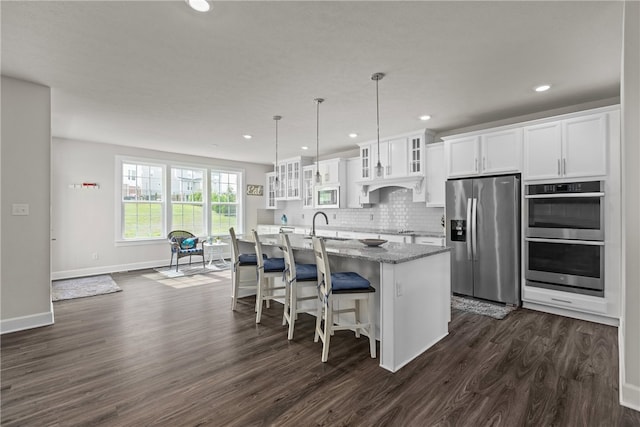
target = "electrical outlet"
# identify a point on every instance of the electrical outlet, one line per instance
(371, 217)
(302, 216)
(398, 289)
(94, 256)
(335, 216)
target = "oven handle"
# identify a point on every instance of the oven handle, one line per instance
(572, 242)
(563, 195)
(469, 228)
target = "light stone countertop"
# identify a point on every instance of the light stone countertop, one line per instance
(391, 253)
(371, 230)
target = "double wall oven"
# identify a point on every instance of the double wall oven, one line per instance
(564, 236)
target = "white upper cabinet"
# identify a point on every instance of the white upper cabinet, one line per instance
(435, 173)
(400, 157)
(308, 180)
(290, 178)
(543, 151)
(571, 148)
(331, 171)
(501, 152)
(461, 156)
(270, 191)
(365, 161)
(484, 154)
(416, 155)
(585, 146)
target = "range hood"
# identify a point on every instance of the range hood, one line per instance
(414, 183)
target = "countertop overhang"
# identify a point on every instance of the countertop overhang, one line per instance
(390, 253)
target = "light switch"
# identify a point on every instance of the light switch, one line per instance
(20, 209)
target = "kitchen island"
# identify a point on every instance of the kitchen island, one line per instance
(413, 289)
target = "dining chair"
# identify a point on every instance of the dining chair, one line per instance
(298, 277)
(243, 271)
(341, 287)
(269, 269)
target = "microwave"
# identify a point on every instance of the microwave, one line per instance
(327, 197)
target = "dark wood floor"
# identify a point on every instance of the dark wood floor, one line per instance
(177, 356)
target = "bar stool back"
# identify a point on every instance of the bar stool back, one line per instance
(342, 286)
(243, 272)
(269, 269)
(297, 277)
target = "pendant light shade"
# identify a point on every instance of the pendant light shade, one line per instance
(275, 167)
(377, 77)
(318, 102)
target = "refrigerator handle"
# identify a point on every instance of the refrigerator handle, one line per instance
(474, 228)
(469, 228)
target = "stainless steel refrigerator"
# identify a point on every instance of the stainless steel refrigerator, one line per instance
(483, 232)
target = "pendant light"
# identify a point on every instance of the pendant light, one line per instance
(318, 102)
(275, 168)
(377, 77)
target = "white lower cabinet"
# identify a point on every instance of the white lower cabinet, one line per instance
(425, 240)
(396, 238)
(568, 300)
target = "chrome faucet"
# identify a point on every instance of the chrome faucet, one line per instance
(313, 230)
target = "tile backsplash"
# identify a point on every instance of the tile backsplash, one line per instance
(395, 211)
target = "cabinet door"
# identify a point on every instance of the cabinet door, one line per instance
(501, 151)
(308, 177)
(329, 171)
(542, 151)
(461, 156)
(270, 193)
(585, 146)
(435, 174)
(353, 189)
(281, 185)
(397, 164)
(365, 162)
(416, 155)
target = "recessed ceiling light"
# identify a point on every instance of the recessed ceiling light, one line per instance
(199, 5)
(542, 88)
(305, 147)
(425, 117)
(247, 136)
(353, 135)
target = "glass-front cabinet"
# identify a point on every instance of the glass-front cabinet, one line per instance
(365, 161)
(308, 180)
(416, 157)
(271, 191)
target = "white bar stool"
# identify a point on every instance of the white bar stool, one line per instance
(297, 277)
(343, 286)
(243, 265)
(269, 269)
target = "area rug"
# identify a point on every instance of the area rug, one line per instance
(83, 287)
(497, 311)
(191, 270)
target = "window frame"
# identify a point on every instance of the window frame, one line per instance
(167, 220)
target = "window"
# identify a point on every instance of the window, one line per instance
(225, 204)
(142, 201)
(157, 197)
(187, 202)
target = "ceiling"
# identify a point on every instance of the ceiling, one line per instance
(158, 75)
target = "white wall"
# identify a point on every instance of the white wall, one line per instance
(84, 221)
(25, 175)
(630, 323)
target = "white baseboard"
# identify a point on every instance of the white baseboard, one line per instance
(611, 321)
(630, 396)
(26, 322)
(92, 271)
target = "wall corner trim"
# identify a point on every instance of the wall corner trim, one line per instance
(26, 322)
